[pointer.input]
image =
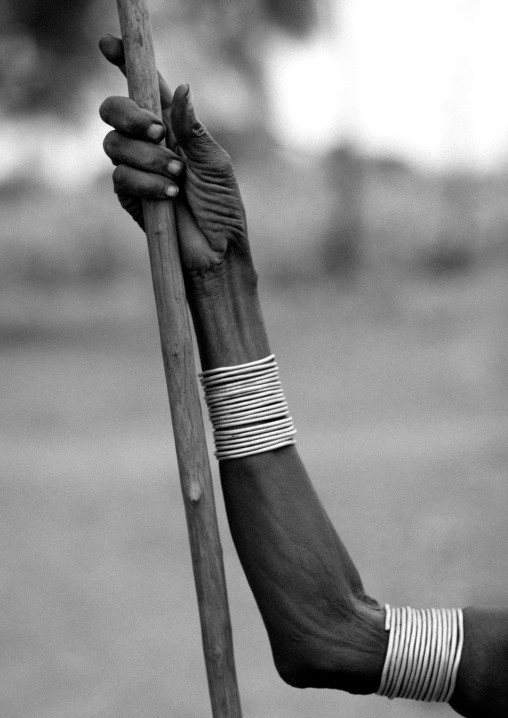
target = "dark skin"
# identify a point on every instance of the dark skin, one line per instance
(323, 629)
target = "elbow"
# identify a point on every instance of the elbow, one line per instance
(294, 673)
(301, 663)
(341, 652)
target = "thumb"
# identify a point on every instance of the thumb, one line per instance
(190, 133)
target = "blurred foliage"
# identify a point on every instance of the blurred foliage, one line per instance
(48, 50)
(343, 238)
(405, 221)
(296, 17)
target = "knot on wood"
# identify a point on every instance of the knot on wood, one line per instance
(216, 652)
(195, 492)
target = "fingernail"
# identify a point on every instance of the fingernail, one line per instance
(188, 97)
(155, 132)
(174, 167)
(171, 190)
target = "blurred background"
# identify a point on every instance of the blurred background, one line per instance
(371, 145)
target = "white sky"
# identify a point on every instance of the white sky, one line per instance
(425, 80)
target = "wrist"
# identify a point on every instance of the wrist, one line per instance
(227, 314)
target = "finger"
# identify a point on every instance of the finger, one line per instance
(128, 118)
(131, 181)
(166, 102)
(142, 155)
(112, 49)
(165, 93)
(195, 140)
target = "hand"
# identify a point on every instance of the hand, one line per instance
(190, 167)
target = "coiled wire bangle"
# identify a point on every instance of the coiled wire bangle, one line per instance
(423, 655)
(247, 409)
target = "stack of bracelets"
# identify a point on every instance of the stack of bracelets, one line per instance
(423, 656)
(250, 415)
(247, 409)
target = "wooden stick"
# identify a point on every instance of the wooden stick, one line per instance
(179, 365)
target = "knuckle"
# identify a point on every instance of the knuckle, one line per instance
(200, 132)
(224, 163)
(226, 157)
(119, 177)
(110, 142)
(104, 110)
(150, 157)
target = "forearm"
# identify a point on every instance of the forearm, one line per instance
(227, 316)
(323, 630)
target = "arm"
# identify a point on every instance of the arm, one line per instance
(323, 629)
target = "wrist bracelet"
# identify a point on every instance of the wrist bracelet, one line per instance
(247, 409)
(423, 655)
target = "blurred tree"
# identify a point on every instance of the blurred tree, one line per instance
(48, 50)
(297, 17)
(343, 239)
(453, 248)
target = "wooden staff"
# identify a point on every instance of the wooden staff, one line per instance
(179, 366)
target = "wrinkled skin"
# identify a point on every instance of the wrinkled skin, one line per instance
(190, 165)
